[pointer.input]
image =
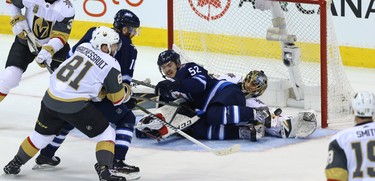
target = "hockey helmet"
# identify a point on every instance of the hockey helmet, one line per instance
(125, 18)
(168, 56)
(363, 104)
(255, 83)
(103, 35)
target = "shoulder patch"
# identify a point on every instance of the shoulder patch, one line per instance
(67, 8)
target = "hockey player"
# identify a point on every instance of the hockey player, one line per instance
(253, 86)
(217, 102)
(351, 151)
(47, 24)
(73, 84)
(128, 24)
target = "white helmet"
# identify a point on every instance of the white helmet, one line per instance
(107, 36)
(363, 104)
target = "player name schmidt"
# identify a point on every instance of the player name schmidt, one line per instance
(365, 133)
(92, 56)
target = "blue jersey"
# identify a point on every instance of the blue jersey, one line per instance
(194, 81)
(126, 56)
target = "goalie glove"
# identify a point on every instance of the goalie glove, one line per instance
(151, 127)
(19, 24)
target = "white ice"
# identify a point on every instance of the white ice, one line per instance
(18, 112)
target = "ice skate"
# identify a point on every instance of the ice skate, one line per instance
(106, 174)
(43, 162)
(14, 166)
(130, 172)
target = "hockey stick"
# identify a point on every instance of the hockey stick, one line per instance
(34, 49)
(177, 103)
(156, 101)
(146, 83)
(233, 149)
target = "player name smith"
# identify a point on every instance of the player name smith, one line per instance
(365, 133)
(92, 56)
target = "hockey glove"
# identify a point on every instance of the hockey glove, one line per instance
(151, 127)
(131, 103)
(165, 88)
(128, 92)
(45, 56)
(19, 24)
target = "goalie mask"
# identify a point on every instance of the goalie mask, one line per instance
(164, 58)
(255, 83)
(363, 104)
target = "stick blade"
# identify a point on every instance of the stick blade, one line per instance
(233, 149)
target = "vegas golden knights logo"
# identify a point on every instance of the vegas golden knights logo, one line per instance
(41, 28)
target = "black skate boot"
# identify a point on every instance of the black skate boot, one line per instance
(14, 166)
(121, 166)
(43, 162)
(128, 171)
(105, 174)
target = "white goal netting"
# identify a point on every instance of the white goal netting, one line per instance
(229, 36)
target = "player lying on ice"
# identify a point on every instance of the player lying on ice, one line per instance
(224, 109)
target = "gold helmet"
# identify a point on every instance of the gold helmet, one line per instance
(255, 83)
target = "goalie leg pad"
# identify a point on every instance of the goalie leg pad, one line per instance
(306, 124)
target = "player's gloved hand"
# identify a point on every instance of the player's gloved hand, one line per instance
(131, 103)
(165, 88)
(45, 56)
(19, 24)
(128, 92)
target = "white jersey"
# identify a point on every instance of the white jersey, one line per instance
(352, 154)
(45, 20)
(81, 78)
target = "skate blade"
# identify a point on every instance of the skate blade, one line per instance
(129, 176)
(43, 167)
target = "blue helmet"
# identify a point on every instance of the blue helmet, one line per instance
(125, 18)
(167, 56)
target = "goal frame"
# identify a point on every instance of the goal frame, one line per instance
(323, 49)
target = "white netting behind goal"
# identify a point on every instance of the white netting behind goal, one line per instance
(230, 36)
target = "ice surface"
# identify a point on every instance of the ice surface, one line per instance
(279, 161)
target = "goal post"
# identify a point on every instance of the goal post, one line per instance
(293, 42)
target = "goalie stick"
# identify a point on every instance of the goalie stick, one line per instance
(230, 150)
(34, 49)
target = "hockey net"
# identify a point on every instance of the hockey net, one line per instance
(229, 36)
